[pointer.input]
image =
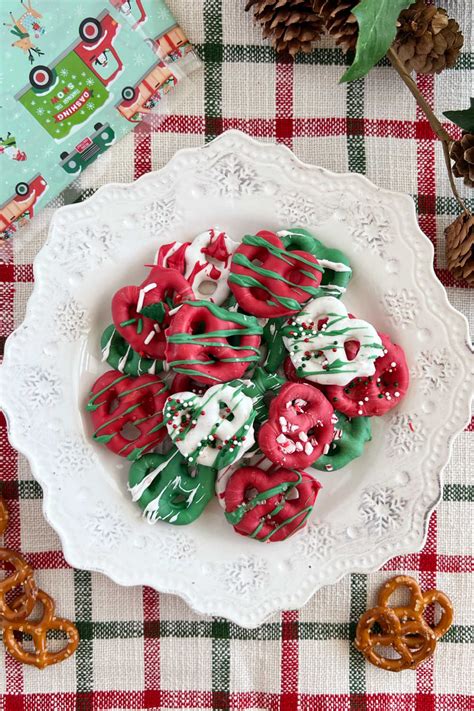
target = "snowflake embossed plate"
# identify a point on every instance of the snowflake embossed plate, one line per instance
(375, 508)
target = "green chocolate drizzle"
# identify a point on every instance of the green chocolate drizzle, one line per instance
(286, 522)
(256, 241)
(94, 405)
(285, 256)
(248, 326)
(244, 261)
(192, 409)
(337, 270)
(234, 517)
(297, 330)
(249, 282)
(283, 489)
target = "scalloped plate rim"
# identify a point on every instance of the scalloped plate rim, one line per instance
(251, 620)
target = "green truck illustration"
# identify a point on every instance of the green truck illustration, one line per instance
(64, 94)
(90, 148)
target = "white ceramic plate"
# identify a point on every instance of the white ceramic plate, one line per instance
(375, 508)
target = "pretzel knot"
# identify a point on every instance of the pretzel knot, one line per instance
(38, 630)
(22, 576)
(413, 641)
(419, 601)
(3, 516)
(403, 628)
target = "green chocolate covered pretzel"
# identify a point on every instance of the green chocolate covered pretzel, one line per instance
(273, 338)
(164, 489)
(260, 389)
(121, 356)
(350, 436)
(337, 270)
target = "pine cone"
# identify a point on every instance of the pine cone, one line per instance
(462, 152)
(460, 247)
(427, 40)
(292, 25)
(340, 22)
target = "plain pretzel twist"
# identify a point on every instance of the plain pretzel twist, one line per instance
(13, 615)
(403, 627)
(22, 576)
(38, 630)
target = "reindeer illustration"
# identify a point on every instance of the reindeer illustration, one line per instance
(23, 27)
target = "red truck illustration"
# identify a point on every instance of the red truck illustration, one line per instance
(173, 44)
(19, 208)
(97, 35)
(141, 98)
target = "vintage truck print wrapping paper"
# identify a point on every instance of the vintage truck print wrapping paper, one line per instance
(72, 84)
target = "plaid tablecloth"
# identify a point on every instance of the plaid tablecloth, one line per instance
(142, 650)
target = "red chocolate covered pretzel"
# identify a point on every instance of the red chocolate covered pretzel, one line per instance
(119, 401)
(378, 393)
(268, 280)
(269, 506)
(211, 344)
(141, 313)
(299, 428)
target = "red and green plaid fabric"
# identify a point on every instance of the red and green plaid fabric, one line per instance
(143, 650)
